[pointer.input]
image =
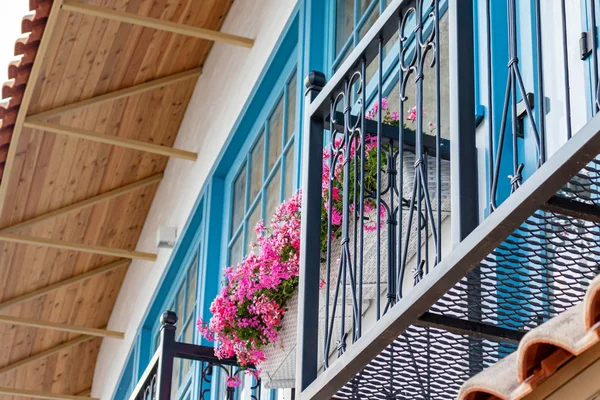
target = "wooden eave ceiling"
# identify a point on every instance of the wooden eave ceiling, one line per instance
(89, 119)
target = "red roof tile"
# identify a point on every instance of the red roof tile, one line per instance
(541, 353)
(32, 26)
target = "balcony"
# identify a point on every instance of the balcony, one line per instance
(435, 243)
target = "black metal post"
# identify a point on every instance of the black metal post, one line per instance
(465, 205)
(310, 249)
(167, 355)
(464, 180)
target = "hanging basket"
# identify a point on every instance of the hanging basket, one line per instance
(279, 369)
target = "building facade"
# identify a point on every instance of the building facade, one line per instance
(491, 92)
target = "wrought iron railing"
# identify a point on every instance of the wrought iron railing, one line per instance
(157, 383)
(412, 301)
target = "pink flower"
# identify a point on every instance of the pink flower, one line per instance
(233, 381)
(384, 104)
(412, 114)
(248, 312)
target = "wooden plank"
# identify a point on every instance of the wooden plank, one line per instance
(112, 140)
(5, 319)
(59, 244)
(46, 353)
(85, 392)
(27, 96)
(160, 24)
(83, 204)
(55, 286)
(42, 395)
(119, 94)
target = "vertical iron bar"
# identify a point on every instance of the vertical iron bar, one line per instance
(464, 191)
(512, 38)
(378, 194)
(329, 211)
(465, 207)
(419, 135)
(361, 230)
(438, 133)
(563, 14)
(490, 101)
(594, 55)
(164, 372)
(541, 97)
(344, 259)
(400, 259)
(355, 218)
(310, 251)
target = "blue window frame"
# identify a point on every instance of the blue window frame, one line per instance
(263, 175)
(208, 226)
(183, 301)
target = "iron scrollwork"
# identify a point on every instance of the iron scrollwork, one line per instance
(397, 217)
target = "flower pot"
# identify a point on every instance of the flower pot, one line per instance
(279, 369)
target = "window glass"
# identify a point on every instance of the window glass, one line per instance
(255, 216)
(235, 253)
(273, 193)
(239, 199)
(265, 191)
(373, 15)
(289, 178)
(344, 23)
(291, 107)
(353, 19)
(180, 309)
(256, 166)
(191, 289)
(275, 134)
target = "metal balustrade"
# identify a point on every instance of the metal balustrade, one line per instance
(478, 230)
(156, 381)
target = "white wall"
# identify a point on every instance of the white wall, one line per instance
(229, 75)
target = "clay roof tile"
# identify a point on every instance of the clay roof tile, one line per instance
(32, 25)
(541, 353)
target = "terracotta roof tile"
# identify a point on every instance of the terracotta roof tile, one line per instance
(541, 353)
(26, 47)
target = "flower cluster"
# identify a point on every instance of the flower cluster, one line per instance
(247, 313)
(388, 117)
(332, 182)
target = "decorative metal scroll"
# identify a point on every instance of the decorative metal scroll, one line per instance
(156, 382)
(388, 221)
(226, 372)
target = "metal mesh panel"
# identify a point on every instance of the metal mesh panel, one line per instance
(423, 363)
(541, 270)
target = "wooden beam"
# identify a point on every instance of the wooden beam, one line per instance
(58, 285)
(27, 96)
(83, 204)
(160, 24)
(5, 319)
(85, 248)
(42, 395)
(119, 94)
(46, 353)
(112, 140)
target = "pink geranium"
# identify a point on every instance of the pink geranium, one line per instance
(248, 313)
